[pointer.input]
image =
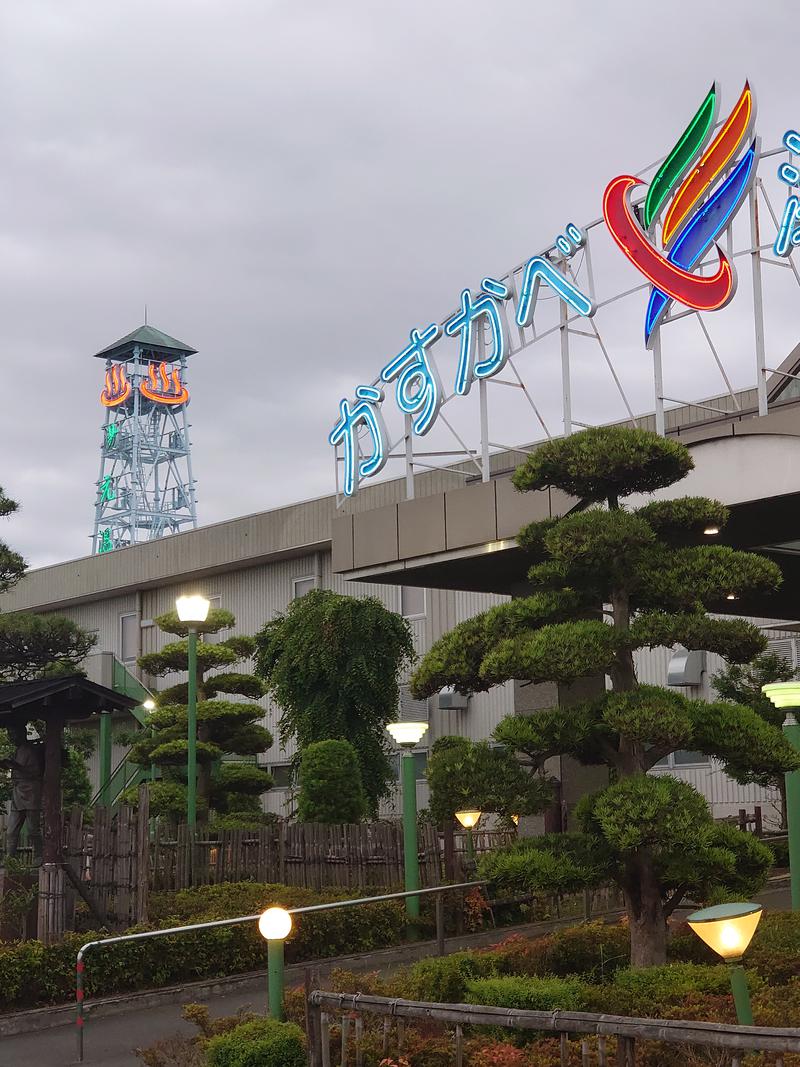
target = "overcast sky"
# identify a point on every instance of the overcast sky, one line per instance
(291, 186)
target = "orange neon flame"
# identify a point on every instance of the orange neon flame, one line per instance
(117, 388)
(162, 387)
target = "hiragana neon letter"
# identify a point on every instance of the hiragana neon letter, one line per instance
(419, 388)
(486, 305)
(346, 431)
(539, 269)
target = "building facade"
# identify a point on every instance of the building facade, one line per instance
(437, 559)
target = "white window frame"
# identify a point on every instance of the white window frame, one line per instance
(304, 578)
(213, 602)
(419, 615)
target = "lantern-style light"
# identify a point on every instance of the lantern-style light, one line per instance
(192, 608)
(515, 819)
(727, 929)
(148, 704)
(275, 924)
(407, 733)
(783, 694)
(468, 819)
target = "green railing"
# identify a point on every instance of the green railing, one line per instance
(126, 773)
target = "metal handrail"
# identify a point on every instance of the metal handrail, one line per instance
(80, 965)
(626, 1029)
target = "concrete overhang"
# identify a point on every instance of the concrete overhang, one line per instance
(465, 538)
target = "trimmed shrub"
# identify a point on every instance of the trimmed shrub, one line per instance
(259, 1043)
(444, 979)
(530, 994)
(652, 992)
(331, 790)
(594, 950)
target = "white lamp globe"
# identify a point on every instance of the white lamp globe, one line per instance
(192, 608)
(407, 733)
(275, 924)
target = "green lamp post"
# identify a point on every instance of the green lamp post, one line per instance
(728, 929)
(192, 610)
(787, 695)
(275, 925)
(406, 735)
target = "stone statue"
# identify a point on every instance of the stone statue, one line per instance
(27, 774)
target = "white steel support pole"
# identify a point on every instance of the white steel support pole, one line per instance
(566, 385)
(658, 384)
(409, 459)
(484, 400)
(758, 301)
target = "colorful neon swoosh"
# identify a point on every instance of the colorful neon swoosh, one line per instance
(699, 233)
(718, 154)
(695, 291)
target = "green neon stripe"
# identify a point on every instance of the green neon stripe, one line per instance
(681, 157)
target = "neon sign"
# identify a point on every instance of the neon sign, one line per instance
(162, 387)
(106, 544)
(789, 229)
(668, 228)
(686, 238)
(107, 491)
(117, 388)
(111, 434)
(419, 393)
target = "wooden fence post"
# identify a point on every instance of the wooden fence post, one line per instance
(142, 854)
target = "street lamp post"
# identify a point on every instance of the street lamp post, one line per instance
(192, 610)
(407, 735)
(468, 820)
(728, 929)
(787, 695)
(274, 925)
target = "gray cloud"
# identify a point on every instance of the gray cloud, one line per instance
(290, 187)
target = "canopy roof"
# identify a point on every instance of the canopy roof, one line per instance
(71, 696)
(151, 340)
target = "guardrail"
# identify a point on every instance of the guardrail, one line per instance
(628, 1032)
(80, 964)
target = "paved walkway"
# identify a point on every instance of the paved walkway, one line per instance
(110, 1039)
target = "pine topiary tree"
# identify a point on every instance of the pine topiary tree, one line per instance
(223, 726)
(741, 684)
(330, 784)
(466, 775)
(657, 576)
(333, 664)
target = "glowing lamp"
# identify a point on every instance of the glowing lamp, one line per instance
(407, 733)
(711, 531)
(148, 704)
(192, 608)
(275, 924)
(468, 819)
(731, 596)
(783, 694)
(515, 819)
(727, 929)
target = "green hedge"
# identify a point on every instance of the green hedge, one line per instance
(32, 973)
(260, 1043)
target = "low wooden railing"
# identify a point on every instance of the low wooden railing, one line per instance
(348, 1011)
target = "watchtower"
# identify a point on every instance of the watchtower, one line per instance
(145, 489)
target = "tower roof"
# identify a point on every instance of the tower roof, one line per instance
(147, 337)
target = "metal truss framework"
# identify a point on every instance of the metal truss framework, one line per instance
(750, 254)
(145, 489)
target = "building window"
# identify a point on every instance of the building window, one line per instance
(420, 766)
(684, 758)
(128, 638)
(301, 586)
(282, 775)
(689, 759)
(412, 602)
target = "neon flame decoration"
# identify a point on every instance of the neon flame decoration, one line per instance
(163, 387)
(117, 388)
(688, 231)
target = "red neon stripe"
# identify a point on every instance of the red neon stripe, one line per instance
(715, 157)
(694, 291)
